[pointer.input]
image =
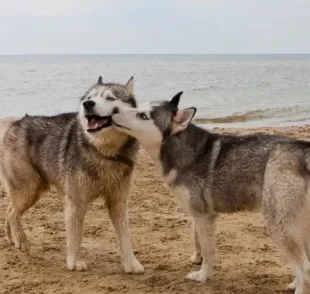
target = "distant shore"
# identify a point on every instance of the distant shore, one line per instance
(299, 132)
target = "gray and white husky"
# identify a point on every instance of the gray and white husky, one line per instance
(79, 153)
(211, 173)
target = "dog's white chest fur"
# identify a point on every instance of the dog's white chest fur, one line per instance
(181, 193)
(170, 177)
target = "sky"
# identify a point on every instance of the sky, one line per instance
(154, 26)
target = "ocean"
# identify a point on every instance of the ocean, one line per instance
(228, 90)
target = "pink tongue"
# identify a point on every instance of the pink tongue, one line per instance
(93, 124)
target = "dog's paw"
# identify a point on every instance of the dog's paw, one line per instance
(292, 286)
(77, 265)
(133, 267)
(199, 276)
(23, 244)
(9, 239)
(196, 258)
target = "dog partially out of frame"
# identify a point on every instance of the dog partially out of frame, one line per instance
(211, 173)
(80, 154)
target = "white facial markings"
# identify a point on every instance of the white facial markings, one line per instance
(144, 107)
(107, 94)
(105, 102)
(144, 130)
(104, 106)
(155, 103)
(91, 93)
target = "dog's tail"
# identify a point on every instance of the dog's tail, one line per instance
(307, 159)
(5, 123)
(4, 126)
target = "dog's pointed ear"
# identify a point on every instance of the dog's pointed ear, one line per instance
(130, 85)
(99, 81)
(176, 99)
(183, 118)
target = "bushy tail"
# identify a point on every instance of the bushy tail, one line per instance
(307, 159)
(4, 126)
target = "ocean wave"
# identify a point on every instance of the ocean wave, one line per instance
(205, 88)
(295, 113)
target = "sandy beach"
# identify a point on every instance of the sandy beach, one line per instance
(247, 260)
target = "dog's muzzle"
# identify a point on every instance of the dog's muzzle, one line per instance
(96, 123)
(89, 105)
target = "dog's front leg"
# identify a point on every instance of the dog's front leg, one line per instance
(74, 219)
(117, 206)
(205, 227)
(196, 258)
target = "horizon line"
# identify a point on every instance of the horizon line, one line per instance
(79, 54)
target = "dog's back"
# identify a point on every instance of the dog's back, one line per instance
(232, 168)
(239, 169)
(36, 141)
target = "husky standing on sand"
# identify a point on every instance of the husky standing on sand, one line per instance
(212, 173)
(79, 153)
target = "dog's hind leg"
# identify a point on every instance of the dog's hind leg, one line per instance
(205, 226)
(286, 209)
(74, 219)
(294, 247)
(297, 254)
(117, 207)
(7, 226)
(290, 239)
(196, 258)
(22, 198)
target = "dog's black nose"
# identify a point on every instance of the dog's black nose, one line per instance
(115, 110)
(89, 104)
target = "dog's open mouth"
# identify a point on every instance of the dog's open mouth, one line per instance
(96, 123)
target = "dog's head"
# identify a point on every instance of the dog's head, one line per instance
(155, 122)
(97, 104)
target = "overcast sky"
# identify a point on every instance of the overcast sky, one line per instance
(154, 26)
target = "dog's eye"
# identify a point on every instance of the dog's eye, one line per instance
(142, 115)
(110, 98)
(88, 97)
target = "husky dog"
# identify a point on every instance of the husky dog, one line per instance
(212, 173)
(80, 154)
